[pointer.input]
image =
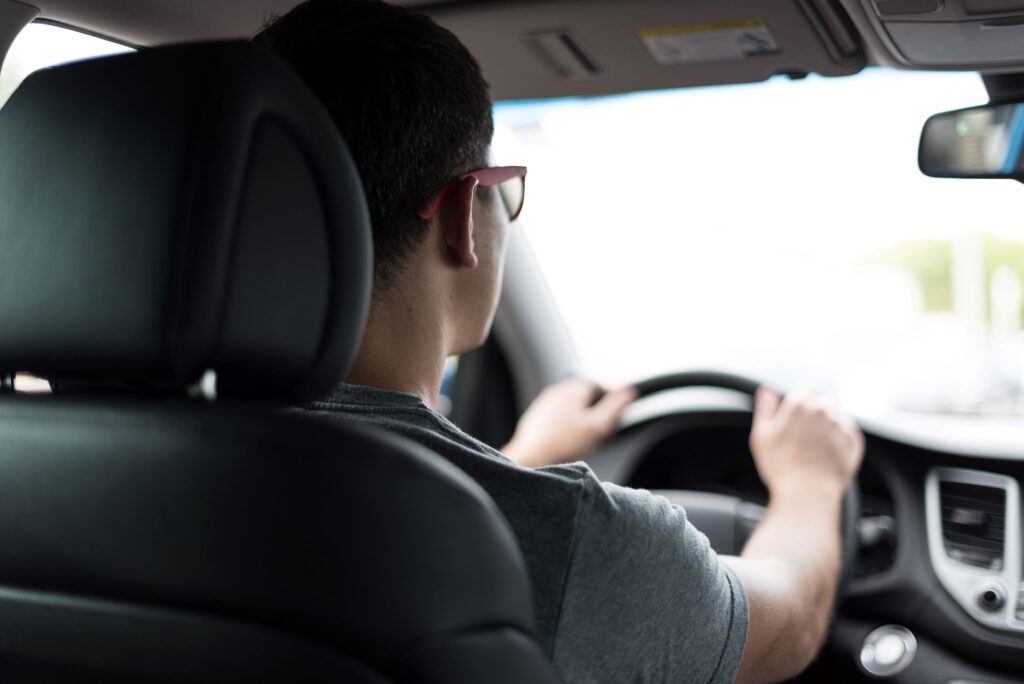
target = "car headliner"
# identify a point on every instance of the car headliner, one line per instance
(813, 36)
(828, 37)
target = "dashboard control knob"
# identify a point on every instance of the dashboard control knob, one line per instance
(888, 650)
(991, 598)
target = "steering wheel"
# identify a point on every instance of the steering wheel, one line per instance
(728, 520)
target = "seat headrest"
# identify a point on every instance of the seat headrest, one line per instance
(178, 210)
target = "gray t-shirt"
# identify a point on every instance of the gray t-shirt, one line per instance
(625, 588)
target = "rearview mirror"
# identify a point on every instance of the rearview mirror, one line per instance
(980, 142)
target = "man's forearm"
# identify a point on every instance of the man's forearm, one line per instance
(801, 530)
(794, 556)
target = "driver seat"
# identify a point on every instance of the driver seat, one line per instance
(184, 251)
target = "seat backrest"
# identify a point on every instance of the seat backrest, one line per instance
(174, 221)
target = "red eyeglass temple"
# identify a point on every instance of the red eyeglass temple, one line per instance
(486, 177)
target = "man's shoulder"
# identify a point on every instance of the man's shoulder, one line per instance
(409, 416)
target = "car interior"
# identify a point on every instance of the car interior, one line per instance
(185, 256)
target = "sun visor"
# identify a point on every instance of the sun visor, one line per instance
(603, 47)
(974, 35)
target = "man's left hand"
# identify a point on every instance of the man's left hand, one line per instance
(562, 425)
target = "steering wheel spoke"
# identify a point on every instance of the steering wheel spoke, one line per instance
(727, 521)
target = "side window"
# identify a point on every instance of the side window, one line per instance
(43, 45)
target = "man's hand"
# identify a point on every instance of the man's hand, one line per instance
(561, 426)
(806, 452)
(803, 441)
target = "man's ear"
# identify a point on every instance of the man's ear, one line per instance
(457, 222)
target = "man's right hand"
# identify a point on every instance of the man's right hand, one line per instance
(806, 452)
(803, 441)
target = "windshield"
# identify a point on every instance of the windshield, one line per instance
(780, 230)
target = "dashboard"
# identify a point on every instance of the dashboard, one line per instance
(936, 593)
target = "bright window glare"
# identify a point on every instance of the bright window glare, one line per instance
(43, 45)
(781, 230)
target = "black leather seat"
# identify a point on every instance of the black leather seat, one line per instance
(167, 214)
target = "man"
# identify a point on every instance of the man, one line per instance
(625, 589)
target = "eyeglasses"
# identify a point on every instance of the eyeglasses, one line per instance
(510, 181)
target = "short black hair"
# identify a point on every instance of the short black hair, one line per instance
(408, 97)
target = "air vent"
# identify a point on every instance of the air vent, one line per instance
(888, 8)
(973, 523)
(563, 53)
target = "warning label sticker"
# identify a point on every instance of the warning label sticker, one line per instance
(710, 42)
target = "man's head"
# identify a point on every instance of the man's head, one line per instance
(414, 109)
